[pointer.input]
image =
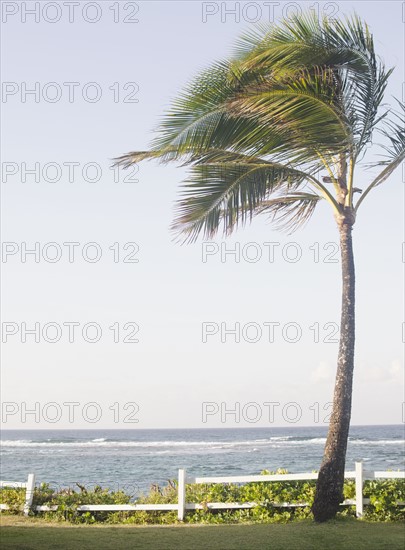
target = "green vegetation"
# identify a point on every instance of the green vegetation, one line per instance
(383, 495)
(33, 534)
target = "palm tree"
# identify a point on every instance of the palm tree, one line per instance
(257, 131)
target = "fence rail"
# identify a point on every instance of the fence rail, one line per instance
(359, 475)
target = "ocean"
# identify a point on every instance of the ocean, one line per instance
(133, 460)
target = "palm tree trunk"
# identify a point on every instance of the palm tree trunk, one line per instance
(329, 488)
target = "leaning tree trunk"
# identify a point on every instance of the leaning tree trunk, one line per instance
(329, 488)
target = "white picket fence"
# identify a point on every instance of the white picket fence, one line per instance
(29, 487)
(359, 475)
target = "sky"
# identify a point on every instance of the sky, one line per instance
(109, 323)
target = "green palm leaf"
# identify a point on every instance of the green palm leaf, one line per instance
(394, 132)
(297, 98)
(292, 211)
(346, 46)
(227, 189)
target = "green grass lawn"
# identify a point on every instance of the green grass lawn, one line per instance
(31, 534)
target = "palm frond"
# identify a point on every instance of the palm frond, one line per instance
(302, 105)
(134, 157)
(394, 131)
(199, 120)
(300, 96)
(227, 191)
(292, 211)
(198, 114)
(346, 46)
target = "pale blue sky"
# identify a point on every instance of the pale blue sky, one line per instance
(170, 292)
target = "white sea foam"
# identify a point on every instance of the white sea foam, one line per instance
(101, 442)
(275, 442)
(377, 442)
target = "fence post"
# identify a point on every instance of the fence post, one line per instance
(29, 493)
(181, 489)
(359, 489)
